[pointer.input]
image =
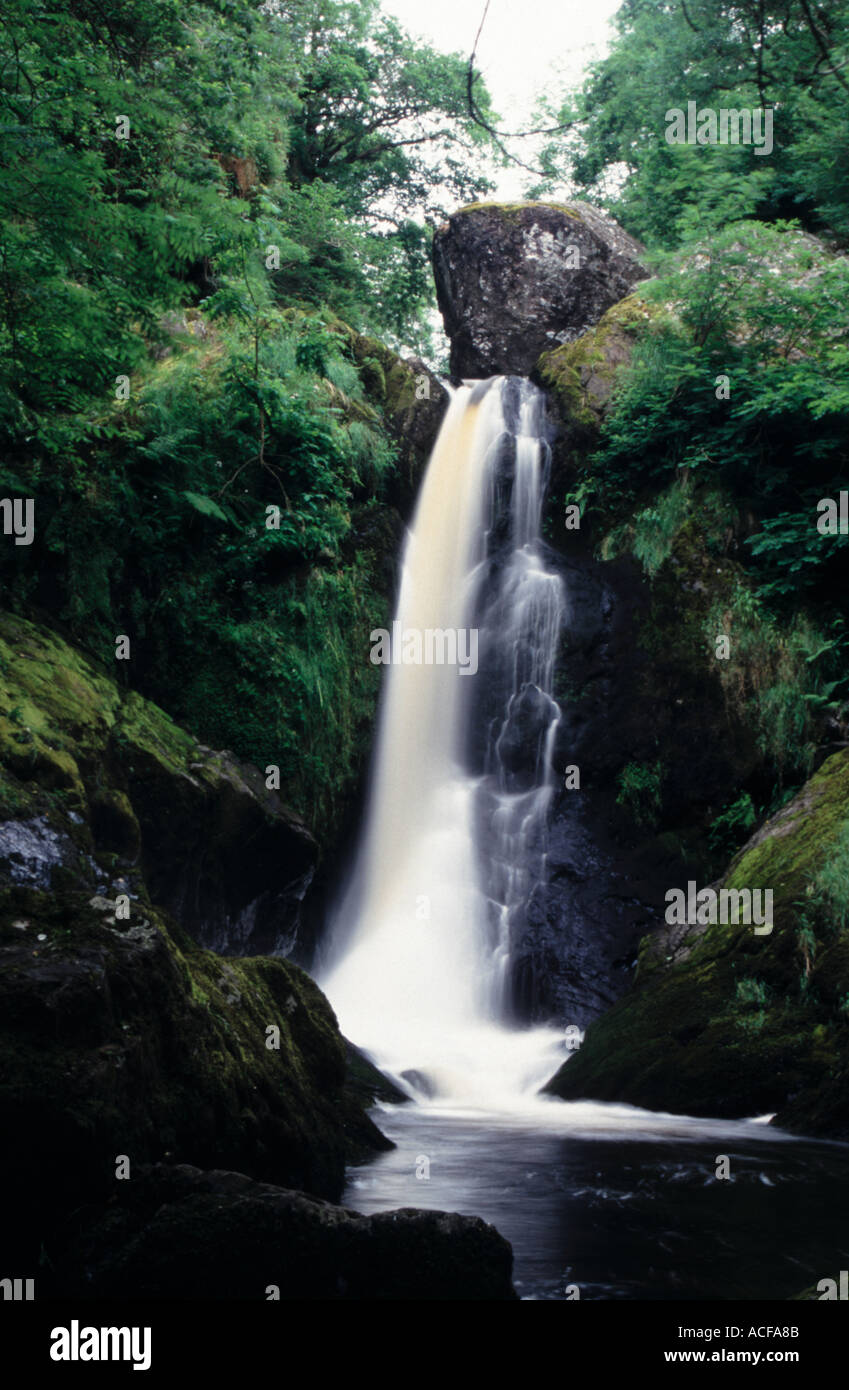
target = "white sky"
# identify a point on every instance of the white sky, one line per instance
(525, 46)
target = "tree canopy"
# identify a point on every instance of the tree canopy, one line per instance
(787, 56)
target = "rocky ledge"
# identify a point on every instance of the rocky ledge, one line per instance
(725, 1022)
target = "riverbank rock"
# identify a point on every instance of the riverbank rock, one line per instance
(514, 280)
(178, 1232)
(723, 1022)
(121, 1036)
(119, 1033)
(98, 784)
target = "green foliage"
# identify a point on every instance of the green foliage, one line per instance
(207, 200)
(752, 998)
(640, 792)
(751, 991)
(785, 56)
(651, 534)
(731, 826)
(762, 307)
(254, 635)
(778, 676)
(156, 155)
(684, 466)
(828, 900)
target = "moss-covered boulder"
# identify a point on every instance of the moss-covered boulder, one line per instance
(580, 375)
(97, 783)
(722, 1021)
(177, 1233)
(119, 1035)
(515, 279)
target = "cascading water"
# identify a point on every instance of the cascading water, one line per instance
(523, 611)
(453, 850)
(454, 837)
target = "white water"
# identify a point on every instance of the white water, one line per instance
(419, 959)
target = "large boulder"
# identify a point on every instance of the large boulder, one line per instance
(177, 1232)
(120, 1035)
(515, 280)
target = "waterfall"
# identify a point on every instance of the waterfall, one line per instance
(453, 842)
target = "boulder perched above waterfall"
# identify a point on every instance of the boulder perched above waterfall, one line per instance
(513, 280)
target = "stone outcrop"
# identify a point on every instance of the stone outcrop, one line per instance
(412, 402)
(178, 1233)
(94, 776)
(723, 1022)
(579, 376)
(128, 1050)
(123, 1036)
(515, 280)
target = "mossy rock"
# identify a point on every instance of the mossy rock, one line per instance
(724, 1022)
(109, 774)
(125, 1037)
(411, 401)
(515, 279)
(580, 376)
(516, 209)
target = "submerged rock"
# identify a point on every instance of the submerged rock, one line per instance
(515, 280)
(178, 1232)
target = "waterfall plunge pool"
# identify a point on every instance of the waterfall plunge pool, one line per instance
(620, 1202)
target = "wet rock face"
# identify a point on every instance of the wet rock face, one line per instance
(514, 281)
(687, 1038)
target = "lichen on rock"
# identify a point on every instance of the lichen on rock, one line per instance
(514, 280)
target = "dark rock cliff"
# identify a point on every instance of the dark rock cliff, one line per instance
(633, 682)
(724, 1022)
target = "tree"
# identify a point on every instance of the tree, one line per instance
(787, 56)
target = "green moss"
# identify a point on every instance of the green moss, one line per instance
(55, 710)
(728, 1023)
(387, 378)
(67, 729)
(157, 1048)
(512, 209)
(581, 375)
(790, 850)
